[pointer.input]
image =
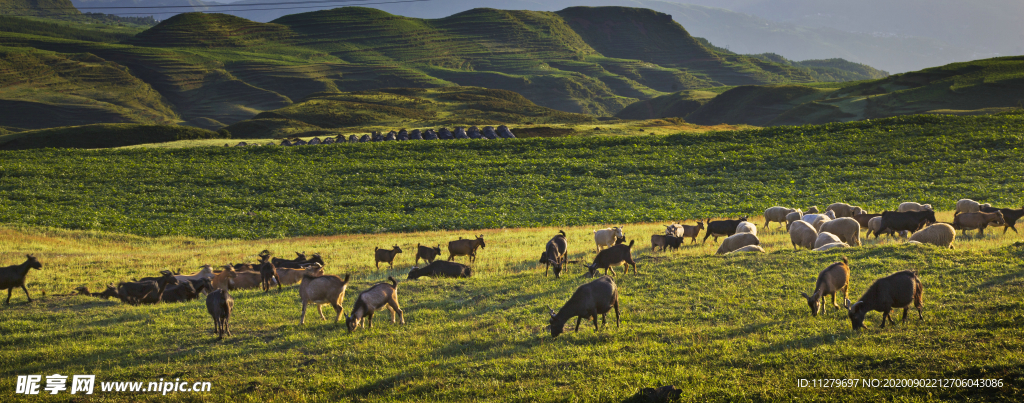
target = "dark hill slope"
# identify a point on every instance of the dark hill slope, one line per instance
(210, 30)
(38, 7)
(102, 136)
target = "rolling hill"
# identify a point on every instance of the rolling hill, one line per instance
(977, 87)
(214, 70)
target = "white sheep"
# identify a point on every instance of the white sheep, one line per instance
(844, 210)
(777, 214)
(748, 248)
(847, 229)
(826, 247)
(737, 241)
(802, 234)
(605, 238)
(794, 216)
(940, 234)
(825, 238)
(746, 228)
(911, 206)
(969, 206)
(821, 220)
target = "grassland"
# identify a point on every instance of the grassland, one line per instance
(721, 328)
(266, 192)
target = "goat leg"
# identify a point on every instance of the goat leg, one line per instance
(302, 320)
(369, 320)
(320, 308)
(904, 320)
(594, 318)
(9, 291)
(616, 306)
(578, 319)
(26, 293)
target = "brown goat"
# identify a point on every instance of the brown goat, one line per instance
(319, 289)
(620, 254)
(222, 280)
(465, 247)
(835, 277)
(379, 296)
(978, 221)
(427, 253)
(385, 255)
(898, 290)
(268, 274)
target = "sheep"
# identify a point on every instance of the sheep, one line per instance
(618, 254)
(835, 277)
(827, 247)
(940, 234)
(812, 210)
(875, 225)
(802, 234)
(427, 253)
(674, 230)
(722, 228)
(978, 221)
(825, 238)
(778, 214)
(737, 241)
(1010, 216)
(14, 276)
(912, 206)
(605, 238)
(794, 216)
(898, 290)
(846, 228)
(318, 289)
(441, 268)
(219, 304)
(864, 219)
(589, 300)
(748, 248)
(821, 220)
(385, 255)
(466, 247)
(969, 206)
(746, 228)
(373, 299)
(556, 251)
(147, 292)
(844, 210)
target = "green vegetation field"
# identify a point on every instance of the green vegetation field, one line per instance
(720, 328)
(269, 192)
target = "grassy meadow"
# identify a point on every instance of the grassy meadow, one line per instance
(721, 328)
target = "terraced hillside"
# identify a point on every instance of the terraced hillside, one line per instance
(976, 87)
(386, 109)
(213, 70)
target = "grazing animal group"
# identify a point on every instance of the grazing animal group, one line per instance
(461, 133)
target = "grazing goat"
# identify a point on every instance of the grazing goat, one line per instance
(186, 291)
(385, 255)
(605, 238)
(722, 228)
(835, 277)
(319, 289)
(147, 292)
(465, 247)
(905, 221)
(14, 276)
(898, 290)
(427, 253)
(777, 214)
(1010, 216)
(219, 304)
(978, 221)
(589, 300)
(557, 252)
(619, 254)
(441, 268)
(369, 301)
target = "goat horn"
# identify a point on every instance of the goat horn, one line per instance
(551, 310)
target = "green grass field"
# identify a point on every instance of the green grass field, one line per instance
(721, 328)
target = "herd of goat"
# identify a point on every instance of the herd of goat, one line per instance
(460, 133)
(839, 226)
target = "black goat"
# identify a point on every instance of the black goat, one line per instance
(906, 221)
(616, 255)
(589, 300)
(187, 290)
(441, 268)
(14, 276)
(268, 273)
(556, 251)
(898, 290)
(146, 292)
(722, 228)
(219, 304)
(427, 253)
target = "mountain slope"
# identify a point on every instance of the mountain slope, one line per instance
(38, 7)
